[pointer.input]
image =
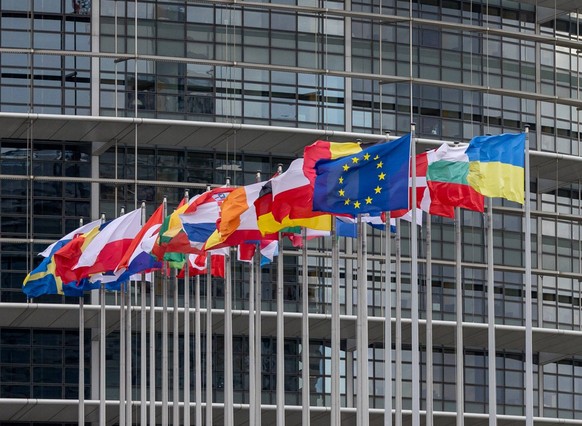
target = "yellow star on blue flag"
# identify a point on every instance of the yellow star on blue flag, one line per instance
(372, 181)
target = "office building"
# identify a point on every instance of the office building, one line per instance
(105, 104)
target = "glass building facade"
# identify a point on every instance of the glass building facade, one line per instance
(106, 103)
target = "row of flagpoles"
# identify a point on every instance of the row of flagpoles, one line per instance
(342, 179)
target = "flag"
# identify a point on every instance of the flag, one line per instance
(324, 150)
(299, 203)
(200, 217)
(285, 194)
(497, 166)
(106, 250)
(446, 177)
(66, 258)
(347, 226)
(172, 238)
(67, 238)
(45, 278)
(238, 219)
(198, 263)
(137, 258)
(371, 181)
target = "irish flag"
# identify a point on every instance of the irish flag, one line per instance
(446, 177)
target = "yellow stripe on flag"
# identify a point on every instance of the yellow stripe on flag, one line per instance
(268, 224)
(494, 179)
(341, 149)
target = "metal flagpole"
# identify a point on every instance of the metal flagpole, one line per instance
(128, 358)
(81, 378)
(252, 376)
(152, 347)
(414, 289)
(398, 330)
(459, 353)
(165, 413)
(252, 334)
(175, 354)
(305, 398)
(187, 341)
(143, 343)
(197, 355)
(258, 340)
(122, 350)
(491, 350)
(258, 365)
(362, 326)
(529, 408)
(228, 346)
(102, 361)
(388, 326)
(335, 328)
(122, 355)
(429, 363)
(209, 350)
(280, 340)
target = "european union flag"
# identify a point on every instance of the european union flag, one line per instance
(371, 181)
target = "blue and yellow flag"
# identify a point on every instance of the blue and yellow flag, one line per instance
(371, 181)
(497, 166)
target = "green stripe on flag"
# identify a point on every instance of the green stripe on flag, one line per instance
(448, 171)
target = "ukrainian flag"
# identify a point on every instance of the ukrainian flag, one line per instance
(497, 166)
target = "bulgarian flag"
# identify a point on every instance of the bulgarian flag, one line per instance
(446, 177)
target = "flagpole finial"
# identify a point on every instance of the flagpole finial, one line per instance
(227, 181)
(387, 133)
(412, 126)
(187, 194)
(280, 168)
(258, 176)
(208, 187)
(526, 128)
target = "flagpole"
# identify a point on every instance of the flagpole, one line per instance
(252, 334)
(102, 361)
(153, 376)
(122, 354)
(280, 391)
(335, 328)
(165, 413)
(143, 342)
(388, 327)
(128, 358)
(81, 377)
(529, 408)
(398, 331)
(414, 288)
(187, 342)
(122, 349)
(209, 350)
(252, 377)
(459, 355)
(198, 355)
(258, 340)
(362, 327)
(429, 363)
(175, 354)
(305, 398)
(228, 346)
(491, 350)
